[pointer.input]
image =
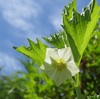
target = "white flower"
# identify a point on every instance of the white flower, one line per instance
(59, 64)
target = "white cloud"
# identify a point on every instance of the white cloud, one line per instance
(19, 12)
(56, 17)
(56, 21)
(9, 64)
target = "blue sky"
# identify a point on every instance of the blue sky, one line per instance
(22, 19)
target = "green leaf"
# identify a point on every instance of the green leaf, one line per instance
(73, 48)
(95, 15)
(68, 13)
(34, 51)
(70, 8)
(80, 27)
(58, 40)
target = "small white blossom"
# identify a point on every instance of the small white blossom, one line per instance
(59, 64)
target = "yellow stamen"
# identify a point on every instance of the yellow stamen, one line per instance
(60, 64)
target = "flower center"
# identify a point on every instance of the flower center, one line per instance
(60, 64)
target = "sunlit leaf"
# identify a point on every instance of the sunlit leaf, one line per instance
(80, 27)
(34, 51)
(95, 15)
(58, 40)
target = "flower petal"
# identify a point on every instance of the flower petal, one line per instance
(71, 66)
(47, 68)
(60, 76)
(51, 52)
(65, 53)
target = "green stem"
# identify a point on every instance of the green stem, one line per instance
(78, 92)
(77, 89)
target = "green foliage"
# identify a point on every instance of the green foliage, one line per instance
(58, 40)
(80, 27)
(34, 51)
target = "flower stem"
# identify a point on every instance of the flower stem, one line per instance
(77, 89)
(78, 92)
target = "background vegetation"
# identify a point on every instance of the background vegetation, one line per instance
(34, 84)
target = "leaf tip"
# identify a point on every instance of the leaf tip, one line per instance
(15, 47)
(28, 39)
